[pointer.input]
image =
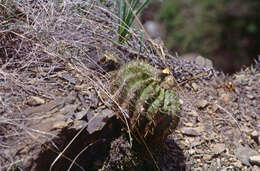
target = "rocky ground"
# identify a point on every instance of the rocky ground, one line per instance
(57, 111)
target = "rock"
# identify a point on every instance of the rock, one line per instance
(201, 104)
(98, 121)
(201, 61)
(219, 148)
(34, 101)
(255, 160)
(238, 164)
(243, 153)
(250, 96)
(80, 115)
(214, 107)
(207, 157)
(193, 113)
(190, 131)
(181, 101)
(196, 143)
(224, 98)
(195, 86)
(59, 125)
(153, 29)
(255, 136)
(255, 168)
(78, 124)
(191, 151)
(68, 78)
(188, 124)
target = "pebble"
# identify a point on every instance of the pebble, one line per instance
(243, 153)
(35, 101)
(255, 168)
(214, 107)
(255, 160)
(193, 113)
(219, 148)
(250, 96)
(224, 98)
(255, 136)
(190, 131)
(195, 86)
(202, 104)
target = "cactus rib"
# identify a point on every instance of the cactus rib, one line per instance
(153, 109)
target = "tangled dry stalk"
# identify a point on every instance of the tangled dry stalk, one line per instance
(39, 40)
(42, 41)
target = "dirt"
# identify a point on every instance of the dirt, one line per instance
(56, 110)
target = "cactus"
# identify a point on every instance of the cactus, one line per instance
(153, 110)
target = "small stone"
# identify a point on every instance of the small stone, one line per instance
(214, 107)
(196, 143)
(255, 160)
(238, 164)
(250, 96)
(193, 113)
(181, 101)
(195, 86)
(192, 151)
(207, 157)
(59, 125)
(35, 101)
(68, 78)
(98, 121)
(80, 115)
(255, 168)
(255, 136)
(202, 104)
(219, 148)
(201, 61)
(188, 124)
(243, 153)
(190, 131)
(224, 98)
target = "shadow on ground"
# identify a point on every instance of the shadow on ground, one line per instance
(99, 151)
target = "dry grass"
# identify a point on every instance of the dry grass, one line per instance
(38, 39)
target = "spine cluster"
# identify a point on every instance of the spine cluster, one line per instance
(153, 110)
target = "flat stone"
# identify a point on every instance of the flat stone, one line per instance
(199, 60)
(250, 96)
(98, 121)
(214, 107)
(255, 160)
(255, 136)
(202, 104)
(80, 115)
(59, 125)
(243, 153)
(35, 101)
(207, 157)
(219, 148)
(224, 98)
(255, 168)
(193, 113)
(190, 131)
(195, 86)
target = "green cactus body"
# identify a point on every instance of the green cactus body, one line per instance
(154, 107)
(153, 110)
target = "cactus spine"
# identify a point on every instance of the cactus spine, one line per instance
(152, 109)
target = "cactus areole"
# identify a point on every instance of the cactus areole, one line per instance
(153, 110)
